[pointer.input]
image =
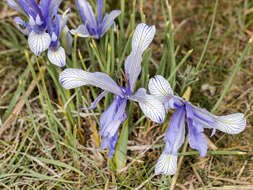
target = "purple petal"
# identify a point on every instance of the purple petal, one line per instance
(189, 111)
(44, 6)
(73, 78)
(100, 4)
(175, 134)
(53, 7)
(35, 6)
(80, 10)
(108, 115)
(197, 139)
(108, 21)
(94, 104)
(21, 25)
(110, 121)
(87, 14)
(113, 117)
(174, 103)
(27, 8)
(109, 143)
(203, 115)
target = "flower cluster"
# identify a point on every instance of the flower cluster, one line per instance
(111, 119)
(45, 27)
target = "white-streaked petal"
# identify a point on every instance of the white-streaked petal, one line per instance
(231, 124)
(81, 31)
(150, 106)
(109, 20)
(38, 42)
(166, 164)
(57, 57)
(160, 87)
(133, 68)
(143, 36)
(72, 78)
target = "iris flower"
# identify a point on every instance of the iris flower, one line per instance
(44, 27)
(40, 19)
(115, 114)
(93, 27)
(197, 119)
(56, 53)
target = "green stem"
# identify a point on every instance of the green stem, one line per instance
(209, 35)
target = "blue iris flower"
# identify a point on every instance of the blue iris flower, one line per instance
(115, 114)
(93, 27)
(56, 53)
(197, 119)
(43, 28)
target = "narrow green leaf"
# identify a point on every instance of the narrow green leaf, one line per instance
(61, 164)
(121, 149)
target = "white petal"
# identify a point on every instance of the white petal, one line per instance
(57, 57)
(133, 68)
(38, 20)
(142, 37)
(231, 124)
(31, 20)
(63, 19)
(81, 31)
(166, 164)
(108, 20)
(72, 78)
(160, 87)
(150, 106)
(38, 42)
(54, 37)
